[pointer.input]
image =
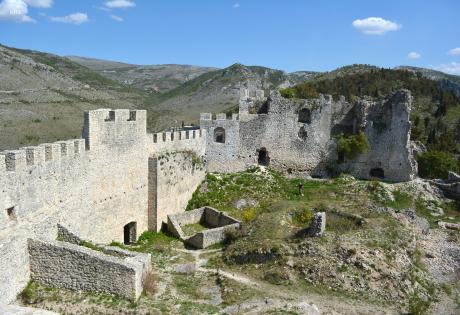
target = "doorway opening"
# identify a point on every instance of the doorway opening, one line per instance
(130, 233)
(263, 158)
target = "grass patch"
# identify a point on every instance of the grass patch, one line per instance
(401, 200)
(192, 229)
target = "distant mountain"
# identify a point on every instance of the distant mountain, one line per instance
(447, 81)
(43, 96)
(218, 90)
(48, 93)
(149, 78)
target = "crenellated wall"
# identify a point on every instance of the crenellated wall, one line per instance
(190, 140)
(94, 186)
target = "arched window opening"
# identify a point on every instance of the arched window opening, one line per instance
(219, 135)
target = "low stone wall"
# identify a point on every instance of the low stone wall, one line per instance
(219, 221)
(210, 237)
(64, 265)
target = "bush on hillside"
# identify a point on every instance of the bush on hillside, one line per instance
(436, 164)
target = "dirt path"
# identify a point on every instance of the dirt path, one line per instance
(278, 297)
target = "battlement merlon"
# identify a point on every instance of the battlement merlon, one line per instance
(219, 116)
(248, 94)
(186, 140)
(23, 158)
(111, 128)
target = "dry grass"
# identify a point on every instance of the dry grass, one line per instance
(150, 284)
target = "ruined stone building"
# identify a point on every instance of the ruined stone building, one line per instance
(299, 136)
(119, 181)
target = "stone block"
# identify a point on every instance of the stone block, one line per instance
(15, 160)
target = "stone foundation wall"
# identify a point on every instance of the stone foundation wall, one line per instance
(69, 266)
(218, 222)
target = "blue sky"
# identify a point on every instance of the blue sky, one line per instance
(286, 34)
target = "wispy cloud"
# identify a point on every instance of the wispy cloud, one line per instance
(454, 51)
(414, 55)
(375, 26)
(116, 18)
(116, 4)
(236, 5)
(74, 18)
(17, 10)
(39, 3)
(452, 68)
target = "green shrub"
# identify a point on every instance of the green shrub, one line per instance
(288, 93)
(436, 164)
(303, 216)
(353, 145)
(249, 214)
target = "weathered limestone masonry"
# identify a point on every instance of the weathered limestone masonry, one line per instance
(69, 266)
(218, 223)
(176, 168)
(299, 135)
(97, 187)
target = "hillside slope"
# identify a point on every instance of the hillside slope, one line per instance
(218, 90)
(43, 96)
(149, 78)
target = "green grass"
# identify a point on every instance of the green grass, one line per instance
(401, 201)
(192, 229)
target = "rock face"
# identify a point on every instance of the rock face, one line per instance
(299, 136)
(450, 187)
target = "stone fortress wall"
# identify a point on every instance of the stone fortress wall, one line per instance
(299, 136)
(95, 186)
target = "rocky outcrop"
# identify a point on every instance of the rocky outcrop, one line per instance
(451, 186)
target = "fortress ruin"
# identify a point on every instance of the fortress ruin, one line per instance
(119, 181)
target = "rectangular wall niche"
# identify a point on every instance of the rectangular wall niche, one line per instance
(11, 212)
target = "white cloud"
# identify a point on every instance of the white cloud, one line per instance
(39, 3)
(74, 18)
(375, 26)
(116, 18)
(115, 4)
(452, 68)
(454, 51)
(414, 55)
(14, 10)
(236, 5)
